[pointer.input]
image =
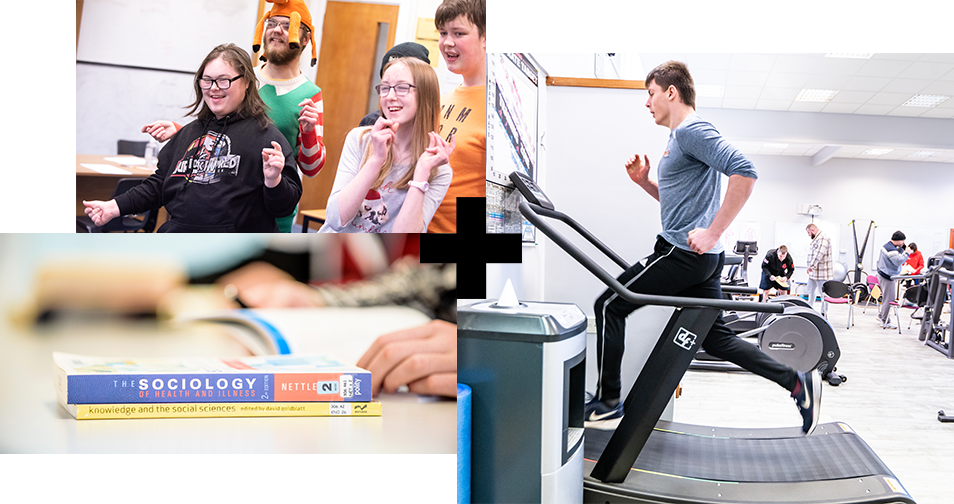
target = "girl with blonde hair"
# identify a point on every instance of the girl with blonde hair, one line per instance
(393, 175)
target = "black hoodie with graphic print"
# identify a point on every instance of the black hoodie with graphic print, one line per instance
(210, 179)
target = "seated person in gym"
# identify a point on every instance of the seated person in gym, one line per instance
(777, 270)
(688, 255)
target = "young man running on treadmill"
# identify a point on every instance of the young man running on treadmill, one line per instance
(688, 256)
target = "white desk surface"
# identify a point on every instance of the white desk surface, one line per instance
(31, 421)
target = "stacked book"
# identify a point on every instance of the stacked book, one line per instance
(271, 385)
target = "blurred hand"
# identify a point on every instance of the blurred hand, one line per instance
(424, 358)
(101, 212)
(160, 130)
(261, 285)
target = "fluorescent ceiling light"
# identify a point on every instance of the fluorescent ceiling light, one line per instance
(776, 146)
(876, 152)
(709, 91)
(850, 55)
(816, 95)
(921, 100)
(924, 153)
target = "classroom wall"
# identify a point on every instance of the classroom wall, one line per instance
(173, 37)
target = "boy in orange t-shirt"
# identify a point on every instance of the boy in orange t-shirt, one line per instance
(463, 45)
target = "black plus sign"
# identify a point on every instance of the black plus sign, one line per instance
(471, 248)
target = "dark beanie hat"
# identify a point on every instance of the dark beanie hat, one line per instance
(898, 235)
(405, 50)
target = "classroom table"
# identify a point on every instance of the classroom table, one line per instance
(33, 422)
(94, 185)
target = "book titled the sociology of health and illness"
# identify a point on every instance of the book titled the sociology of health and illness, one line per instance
(83, 379)
(222, 410)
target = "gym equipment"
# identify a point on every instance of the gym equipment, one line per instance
(746, 249)
(799, 337)
(938, 278)
(859, 256)
(648, 461)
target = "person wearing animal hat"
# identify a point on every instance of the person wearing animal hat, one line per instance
(294, 102)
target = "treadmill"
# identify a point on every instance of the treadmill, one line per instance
(645, 460)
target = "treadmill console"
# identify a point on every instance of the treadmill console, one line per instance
(530, 191)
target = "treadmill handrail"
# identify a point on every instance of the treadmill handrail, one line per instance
(532, 213)
(585, 233)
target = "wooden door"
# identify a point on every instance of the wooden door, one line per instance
(347, 64)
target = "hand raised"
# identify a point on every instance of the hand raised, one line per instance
(382, 135)
(160, 130)
(437, 153)
(101, 212)
(638, 168)
(273, 162)
(308, 116)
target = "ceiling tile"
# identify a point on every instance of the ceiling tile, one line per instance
(829, 82)
(908, 111)
(750, 92)
(883, 68)
(940, 87)
(706, 61)
(709, 76)
(859, 83)
(746, 78)
(764, 104)
(925, 70)
(874, 109)
(708, 101)
(807, 106)
(852, 96)
(797, 63)
(890, 99)
(840, 108)
(739, 103)
(752, 62)
(912, 86)
(776, 93)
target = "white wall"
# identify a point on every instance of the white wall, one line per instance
(114, 103)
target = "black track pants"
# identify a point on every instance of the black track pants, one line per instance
(671, 271)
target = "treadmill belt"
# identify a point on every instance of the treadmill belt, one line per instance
(745, 459)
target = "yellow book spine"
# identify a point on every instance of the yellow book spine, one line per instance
(223, 410)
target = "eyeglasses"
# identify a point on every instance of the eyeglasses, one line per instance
(222, 83)
(271, 23)
(399, 90)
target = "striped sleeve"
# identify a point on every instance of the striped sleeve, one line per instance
(311, 154)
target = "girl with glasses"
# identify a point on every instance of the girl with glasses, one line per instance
(393, 175)
(230, 170)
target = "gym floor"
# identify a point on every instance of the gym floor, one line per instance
(895, 387)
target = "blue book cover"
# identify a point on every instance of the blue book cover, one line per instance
(285, 378)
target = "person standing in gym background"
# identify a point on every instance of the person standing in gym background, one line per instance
(892, 256)
(688, 255)
(820, 268)
(777, 270)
